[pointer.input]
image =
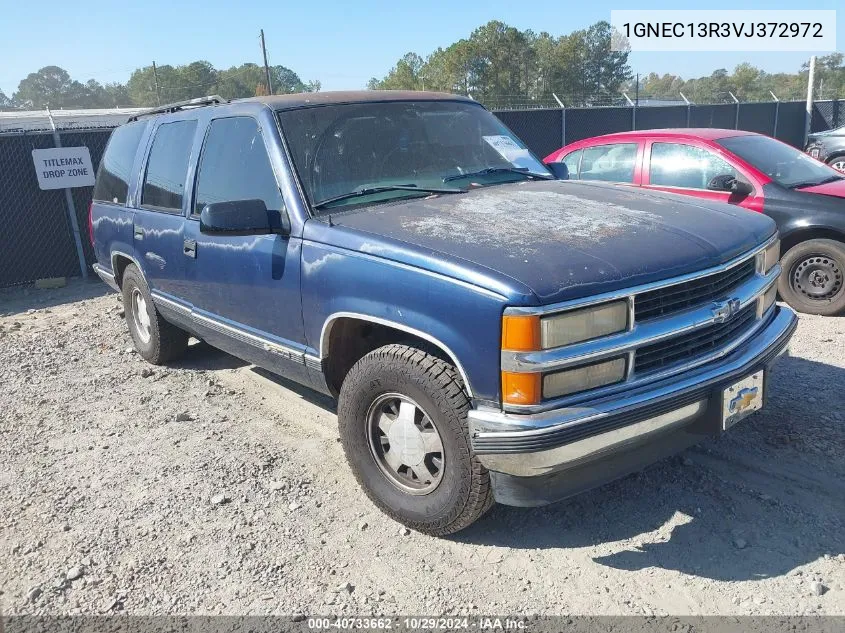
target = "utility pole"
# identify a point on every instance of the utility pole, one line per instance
(266, 66)
(155, 76)
(808, 116)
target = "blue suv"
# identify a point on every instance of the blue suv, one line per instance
(490, 331)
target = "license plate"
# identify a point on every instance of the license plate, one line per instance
(742, 399)
(814, 153)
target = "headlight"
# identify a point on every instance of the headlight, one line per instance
(583, 325)
(769, 257)
(569, 381)
(532, 333)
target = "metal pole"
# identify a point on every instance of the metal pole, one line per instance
(736, 117)
(71, 208)
(155, 76)
(777, 109)
(266, 66)
(808, 115)
(636, 103)
(559, 102)
(563, 126)
(689, 107)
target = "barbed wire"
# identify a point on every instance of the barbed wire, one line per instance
(523, 102)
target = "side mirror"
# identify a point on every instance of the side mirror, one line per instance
(722, 182)
(727, 182)
(560, 170)
(741, 188)
(238, 217)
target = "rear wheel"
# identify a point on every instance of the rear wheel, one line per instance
(402, 415)
(156, 340)
(813, 277)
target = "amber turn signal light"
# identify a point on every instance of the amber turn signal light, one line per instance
(521, 388)
(521, 333)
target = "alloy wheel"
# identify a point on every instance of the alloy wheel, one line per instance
(405, 444)
(140, 316)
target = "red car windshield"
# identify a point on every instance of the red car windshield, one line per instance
(782, 163)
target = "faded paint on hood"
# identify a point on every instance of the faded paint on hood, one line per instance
(567, 239)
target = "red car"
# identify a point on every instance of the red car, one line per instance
(804, 196)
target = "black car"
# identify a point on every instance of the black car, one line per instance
(828, 147)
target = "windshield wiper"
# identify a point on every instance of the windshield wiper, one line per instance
(522, 171)
(370, 190)
(801, 185)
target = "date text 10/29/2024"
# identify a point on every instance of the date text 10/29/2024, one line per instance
(418, 624)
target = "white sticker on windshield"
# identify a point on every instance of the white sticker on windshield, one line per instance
(510, 151)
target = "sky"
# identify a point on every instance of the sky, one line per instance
(343, 44)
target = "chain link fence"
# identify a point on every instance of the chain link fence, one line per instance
(545, 130)
(37, 239)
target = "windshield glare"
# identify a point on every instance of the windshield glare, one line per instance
(784, 164)
(344, 148)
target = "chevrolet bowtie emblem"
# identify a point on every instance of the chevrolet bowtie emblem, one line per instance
(724, 310)
(744, 399)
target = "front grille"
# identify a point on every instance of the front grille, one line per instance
(680, 348)
(675, 298)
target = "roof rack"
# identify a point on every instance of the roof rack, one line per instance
(181, 105)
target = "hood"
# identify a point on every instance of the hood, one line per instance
(835, 189)
(562, 239)
(839, 131)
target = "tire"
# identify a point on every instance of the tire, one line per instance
(837, 162)
(440, 504)
(156, 340)
(813, 277)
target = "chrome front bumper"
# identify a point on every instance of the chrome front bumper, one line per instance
(535, 445)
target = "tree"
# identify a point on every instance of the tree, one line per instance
(604, 71)
(405, 75)
(499, 64)
(5, 102)
(51, 87)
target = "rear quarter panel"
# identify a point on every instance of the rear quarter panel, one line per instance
(112, 231)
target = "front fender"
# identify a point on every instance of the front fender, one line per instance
(462, 319)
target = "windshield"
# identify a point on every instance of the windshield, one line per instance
(784, 164)
(388, 149)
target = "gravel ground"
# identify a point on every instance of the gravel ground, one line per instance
(210, 487)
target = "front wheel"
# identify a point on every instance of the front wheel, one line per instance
(812, 277)
(838, 163)
(402, 415)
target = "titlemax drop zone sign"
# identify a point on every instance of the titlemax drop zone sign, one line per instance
(63, 167)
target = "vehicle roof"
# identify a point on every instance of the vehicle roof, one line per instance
(677, 132)
(304, 99)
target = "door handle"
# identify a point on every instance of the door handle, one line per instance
(190, 248)
(139, 233)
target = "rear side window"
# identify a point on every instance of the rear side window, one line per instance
(610, 163)
(235, 166)
(164, 181)
(116, 166)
